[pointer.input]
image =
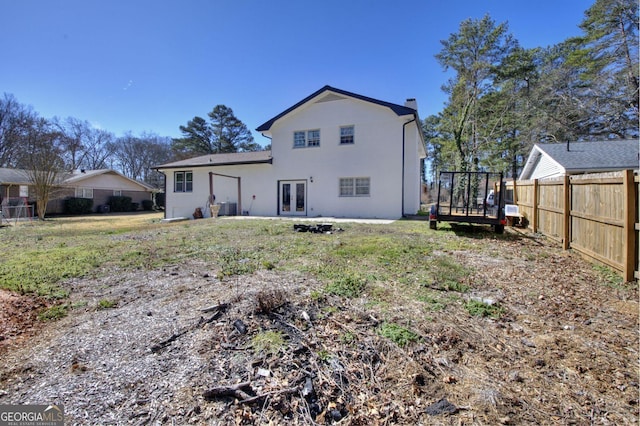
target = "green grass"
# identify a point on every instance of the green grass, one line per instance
(106, 304)
(349, 286)
(433, 302)
(365, 259)
(53, 313)
(398, 334)
(268, 342)
(481, 309)
(40, 270)
(609, 277)
(447, 274)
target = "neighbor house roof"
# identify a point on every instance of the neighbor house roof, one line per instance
(583, 157)
(13, 176)
(398, 109)
(80, 175)
(21, 177)
(236, 158)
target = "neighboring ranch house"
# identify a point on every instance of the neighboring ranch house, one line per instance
(99, 185)
(571, 158)
(333, 154)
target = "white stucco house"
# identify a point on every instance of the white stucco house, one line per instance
(333, 154)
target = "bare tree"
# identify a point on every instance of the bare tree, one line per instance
(74, 136)
(136, 156)
(15, 121)
(99, 148)
(43, 160)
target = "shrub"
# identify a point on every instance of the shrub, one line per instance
(119, 203)
(269, 301)
(160, 199)
(134, 207)
(78, 205)
(147, 205)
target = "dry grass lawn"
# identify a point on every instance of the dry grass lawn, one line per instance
(125, 320)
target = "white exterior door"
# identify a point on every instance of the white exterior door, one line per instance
(293, 198)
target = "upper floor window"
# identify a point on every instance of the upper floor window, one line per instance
(299, 140)
(84, 192)
(346, 135)
(313, 138)
(183, 182)
(355, 187)
(302, 138)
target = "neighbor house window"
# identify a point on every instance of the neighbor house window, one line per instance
(355, 187)
(183, 182)
(305, 138)
(84, 192)
(117, 193)
(346, 135)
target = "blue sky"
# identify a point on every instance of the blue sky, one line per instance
(141, 65)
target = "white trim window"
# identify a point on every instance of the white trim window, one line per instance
(84, 193)
(355, 187)
(183, 181)
(299, 139)
(313, 137)
(117, 192)
(347, 135)
(306, 138)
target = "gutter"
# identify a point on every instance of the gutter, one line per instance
(403, 158)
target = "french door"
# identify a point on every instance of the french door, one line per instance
(293, 198)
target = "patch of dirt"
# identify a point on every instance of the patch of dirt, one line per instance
(18, 317)
(180, 347)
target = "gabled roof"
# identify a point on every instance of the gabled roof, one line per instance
(79, 176)
(398, 109)
(586, 157)
(13, 176)
(236, 158)
(21, 177)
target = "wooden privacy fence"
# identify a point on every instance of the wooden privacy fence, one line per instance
(594, 214)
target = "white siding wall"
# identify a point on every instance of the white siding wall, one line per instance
(546, 168)
(256, 179)
(376, 153)
(413, 162)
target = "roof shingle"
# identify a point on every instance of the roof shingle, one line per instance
(252, 157)
(601, 155)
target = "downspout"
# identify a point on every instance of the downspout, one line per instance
(271, 139)
(212, 199)
(164, 187)
(403, 155)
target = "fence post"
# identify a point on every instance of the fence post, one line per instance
(566, 235)
(535, 205)
(628, 236)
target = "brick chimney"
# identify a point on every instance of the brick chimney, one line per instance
(411, 103)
